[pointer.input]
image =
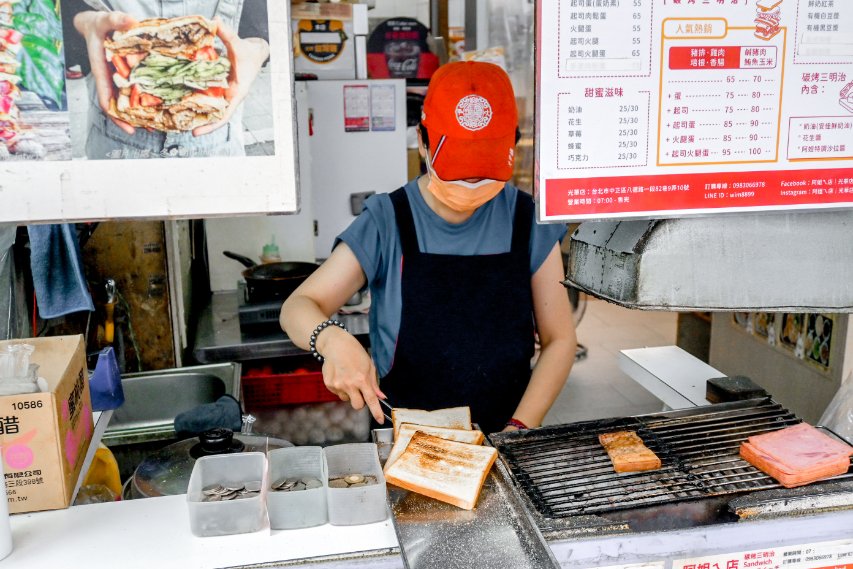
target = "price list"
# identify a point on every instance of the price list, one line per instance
(601, 37)
(603, 127)
(720, 103)
(683, 107)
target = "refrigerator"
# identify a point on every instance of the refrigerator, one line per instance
(357, 146)
(336, 160)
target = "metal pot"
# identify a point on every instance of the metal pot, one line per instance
(272, 281)
(167, 471)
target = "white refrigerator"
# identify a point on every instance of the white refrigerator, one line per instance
(357, 145)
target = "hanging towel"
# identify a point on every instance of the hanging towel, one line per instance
(58, 278)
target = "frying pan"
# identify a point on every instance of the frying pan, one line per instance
(271, 281)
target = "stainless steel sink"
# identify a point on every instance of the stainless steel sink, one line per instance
(153, 399)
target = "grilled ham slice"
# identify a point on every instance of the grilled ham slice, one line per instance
(797, 455)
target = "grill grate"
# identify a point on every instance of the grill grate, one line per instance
(565, 472)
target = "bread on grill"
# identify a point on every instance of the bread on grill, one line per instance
(628, 453)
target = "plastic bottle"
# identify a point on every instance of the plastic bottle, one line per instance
(270, 253)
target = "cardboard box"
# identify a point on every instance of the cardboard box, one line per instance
(45, 436)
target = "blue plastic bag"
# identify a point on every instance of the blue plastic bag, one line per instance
(105, 383)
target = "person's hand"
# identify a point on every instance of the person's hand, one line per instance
(247, 56)
(348, 371)
(94, 27)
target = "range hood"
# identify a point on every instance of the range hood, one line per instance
(801, 262)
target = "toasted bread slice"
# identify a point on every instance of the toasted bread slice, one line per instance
(627, 452)
(407, 431)
(449, 471)
(451, 418)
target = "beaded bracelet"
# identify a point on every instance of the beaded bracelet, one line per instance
(320, 327)
(517, 424)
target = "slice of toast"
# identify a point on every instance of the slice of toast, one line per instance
(448, 471)
(628, 453)
(407, 431)
(452, 418)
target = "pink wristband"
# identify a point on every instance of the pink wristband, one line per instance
(517, 424)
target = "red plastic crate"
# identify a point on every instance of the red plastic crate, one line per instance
(265, 388)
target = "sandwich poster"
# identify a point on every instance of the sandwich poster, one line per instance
(145, 108)
(671, 108)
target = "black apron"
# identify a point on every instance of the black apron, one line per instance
(466, 328)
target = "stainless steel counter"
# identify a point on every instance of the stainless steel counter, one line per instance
(219, 339)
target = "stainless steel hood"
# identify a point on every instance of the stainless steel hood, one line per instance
(769, 262)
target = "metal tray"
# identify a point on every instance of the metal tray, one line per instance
(498, 532)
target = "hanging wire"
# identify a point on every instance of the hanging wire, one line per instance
(126, 308)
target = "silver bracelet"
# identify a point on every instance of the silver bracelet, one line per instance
(320, 327)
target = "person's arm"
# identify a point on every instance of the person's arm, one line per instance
(348, 370)
(556, 328)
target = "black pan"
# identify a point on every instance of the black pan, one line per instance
(271, 281)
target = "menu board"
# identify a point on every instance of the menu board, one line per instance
(660, 108)
(145, 109)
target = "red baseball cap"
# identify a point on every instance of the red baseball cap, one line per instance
(471, 118)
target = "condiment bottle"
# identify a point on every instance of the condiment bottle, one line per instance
(270, 252)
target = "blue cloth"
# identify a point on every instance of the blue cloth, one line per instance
(374, 239)
(224, 413)
(58, 279)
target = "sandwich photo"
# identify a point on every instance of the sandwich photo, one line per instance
(7, 12)
(9, 127)
(767, 19)
(168, 74)
(10, 44)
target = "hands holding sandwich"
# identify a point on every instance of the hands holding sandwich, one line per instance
(247, 57)
(155, 99)
(94, 27)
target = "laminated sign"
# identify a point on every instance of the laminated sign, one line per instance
(129, 109)
(657, 108)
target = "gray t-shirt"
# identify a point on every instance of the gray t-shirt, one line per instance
(374, 239)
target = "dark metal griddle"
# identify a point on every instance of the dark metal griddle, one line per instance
(564, 473)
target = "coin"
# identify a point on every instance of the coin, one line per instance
(235, 488)
(354, 478)
(311, 483)
(338, 483)
(212, 498)
(212, 489)
(254, 486)
(279, 484)
(357, 485)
